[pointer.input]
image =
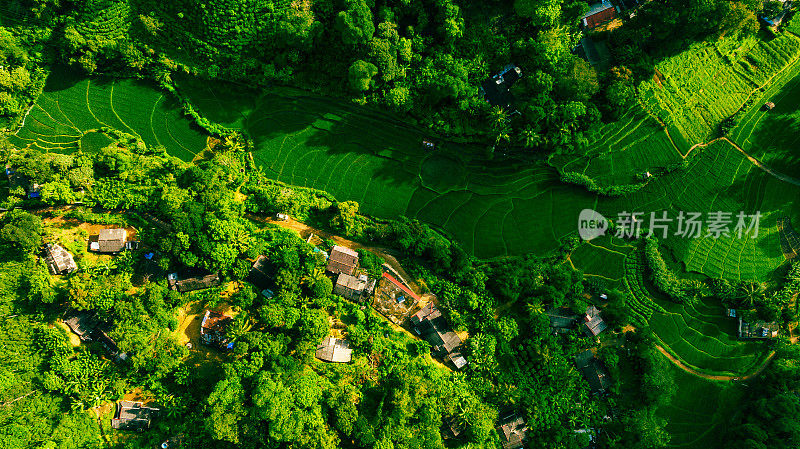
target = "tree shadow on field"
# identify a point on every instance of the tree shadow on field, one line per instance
(776, 142)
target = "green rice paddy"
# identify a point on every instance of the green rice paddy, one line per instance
(71, 111)
(699, 413)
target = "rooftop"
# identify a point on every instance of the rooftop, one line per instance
(342, 260)
(111, 240)
(334, 350)
(133, 416)
(59, 260)
(513, 432)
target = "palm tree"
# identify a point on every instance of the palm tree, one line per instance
(314, 276)
(750, 292)
(534, 308)
(234, 142)
(499, 117)
(530, 138)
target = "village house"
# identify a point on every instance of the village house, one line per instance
(593, 322)
(82, 323)
(109, 241)
(193, 283)
(762, 330)
(429, 323)
(593, 371)
(343, 260)
(513, 432)
(214, 330)
(497, 89)
(133, 416)
(350, 287)
(334, 350)
(58, 260)
(17, 180)
(776, 19)
(598, 14)
(261, 274)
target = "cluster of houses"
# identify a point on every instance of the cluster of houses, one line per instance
(592, 324)
(107, 241)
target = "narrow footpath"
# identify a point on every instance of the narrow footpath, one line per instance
(680, 365)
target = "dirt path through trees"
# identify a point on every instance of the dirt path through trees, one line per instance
(680, 365)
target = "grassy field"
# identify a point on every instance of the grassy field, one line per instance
(698, 415)
(71, 110)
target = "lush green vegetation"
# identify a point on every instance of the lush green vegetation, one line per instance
(189, 123)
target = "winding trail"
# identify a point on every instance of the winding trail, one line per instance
(689, 370)
(753, 160)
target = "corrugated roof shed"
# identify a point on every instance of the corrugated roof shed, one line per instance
(334, 350)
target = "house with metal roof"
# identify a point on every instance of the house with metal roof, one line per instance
(214, 330)
(593, 323)
(497, 89)
(109, 241)
(335, 350)
(429, 324)
(513, 431)
(350, 287)
(188, 284)
(58, 260)
(342, 260)
(599, 13)
(135, 416)
(593, 371)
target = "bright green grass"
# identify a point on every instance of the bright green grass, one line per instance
(700, 411)
(70, 110)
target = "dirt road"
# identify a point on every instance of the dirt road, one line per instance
(680, 365)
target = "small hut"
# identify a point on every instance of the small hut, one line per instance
(769, 106)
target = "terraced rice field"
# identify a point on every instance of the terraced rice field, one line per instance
(691, 94)
(698, 416)
(620, 151)
(71, 110)
(773, 136)
(703, 338)
(711, 81)
(493, 208)
(603, 259)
